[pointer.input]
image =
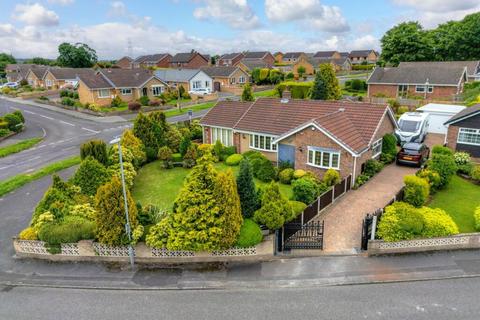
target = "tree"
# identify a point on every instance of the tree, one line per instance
(4, 60)
(275, 210)
(136, 147)
(247, 94)
(406, 41)
(77, 55)
(228, 201)
(110, 213)
(151, 130)
(184, 145)
(326, 86)
(246, 189)
(301, 71)
(319, 91)
(90, 175)
(40, 61)
(96, 149)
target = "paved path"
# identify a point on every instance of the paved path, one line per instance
(343, 220)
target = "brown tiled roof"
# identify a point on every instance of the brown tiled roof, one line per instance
(352, 123)
(225, 114)
(151, 58)
(256, 55)
(95, 81)
(447, 76)
(127, 78)
(324, 54)
(219, 71)
(292, 55)
(472, 66)
(69, 73)
(467, 112)
(228, 56)
(255, 63)
(185, 57)
(360, 53)
(39, 71)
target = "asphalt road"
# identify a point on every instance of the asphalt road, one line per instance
(439, 300)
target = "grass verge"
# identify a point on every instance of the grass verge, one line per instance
(22, 179)
(184, 110)
(17, 147)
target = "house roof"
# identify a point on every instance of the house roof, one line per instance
(473, 67)
(448, 76)
(125, 57)
(185, 57)
(116, 78)
(344, 54)
(361, 53)
(222, 72)
(324, 54)
(68, 73)
(176, 75)
(465, 113)
(151, 58)
(95, 81)
(354, 124)
(229, 56)
(255, 63)
(21, 69)
(316, 61)
(255, 55)
(292, 55)
(441, 108)
(39, 71)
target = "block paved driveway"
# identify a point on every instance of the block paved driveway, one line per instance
(343, 220)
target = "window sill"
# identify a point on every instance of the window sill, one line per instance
(321, 167)
(265, 150)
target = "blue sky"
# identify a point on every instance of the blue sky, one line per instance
(36, 28)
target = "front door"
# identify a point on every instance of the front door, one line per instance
(286, 153)
(144, 91)
(216, 86)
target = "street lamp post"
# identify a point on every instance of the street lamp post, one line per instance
(127, 224)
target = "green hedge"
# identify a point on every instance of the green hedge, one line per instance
(298, 90)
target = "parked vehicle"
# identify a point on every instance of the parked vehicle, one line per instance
(11, 85)
(413, 127)
(413, 153)
(200, 91)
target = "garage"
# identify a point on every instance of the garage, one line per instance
(439, 114)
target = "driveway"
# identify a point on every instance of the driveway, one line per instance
(343, 220)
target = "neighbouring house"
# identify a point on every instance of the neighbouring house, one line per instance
(17, 72)
(264, 56)
(35, 76)
(188, 78)
(304, 62)
(341, 64)
(278, 57)
(312, 135)
(364, 56)
(327, 55)
(345, 54)
(464, 131)
(124, 63)
(438, 115)
(227, 79)
(422, 81)
(293, 57)
(230, 59)
(249, 65)
(102, 86)
(57, 78)
(159, 60)
(189, 60)
(473, 67)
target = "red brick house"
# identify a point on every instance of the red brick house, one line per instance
(189, 60)
(124, 63)
(230, 59)
(263, 56)
(464, 131)
(422, 81)
(159, 60)
(313, 135)
(364, 56)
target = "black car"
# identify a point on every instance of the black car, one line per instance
(413, 153)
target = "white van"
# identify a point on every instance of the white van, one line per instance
(413, 127)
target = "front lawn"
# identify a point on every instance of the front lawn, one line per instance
(196, 107)
(157, 186)
(459, 200)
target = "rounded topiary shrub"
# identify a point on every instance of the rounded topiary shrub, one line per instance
(299, 173)
(304, 190)
(234, 160)
(417, 190)
(437, 223)
(134, 106)
(286, 175)
(331, 177)
(250, 234)
(263, 168)
(297, 207)
(400, 221)
(28, 234)
(444, 165)
(441, 150)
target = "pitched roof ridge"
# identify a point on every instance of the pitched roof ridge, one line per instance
(243, 115)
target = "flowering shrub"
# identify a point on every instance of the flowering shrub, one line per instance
(461, 158)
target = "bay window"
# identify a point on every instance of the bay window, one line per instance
(262, 142)
(323, 158)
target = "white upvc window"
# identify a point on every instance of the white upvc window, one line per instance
(323, 158)
(232, 80)
(241, 79)
(421, 89)
(157, 90)
(104, 93)
(262, 142)
(225, 136)
(48, 82)
(126, 91)
(197, 84)
(469, 136)
(377, 148)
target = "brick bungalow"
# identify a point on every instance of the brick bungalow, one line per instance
(35, 76)
(227, 79)
(124, 63)
(102, 86)
(340, 64)
(230, 59)
(189, 60)
(17, 72)
(464, 131)
(293, 57)
(56, 78)
(473, 67)
(264, 56)
(313, 135)
(159, 60)
(423, 81)
(364, 56)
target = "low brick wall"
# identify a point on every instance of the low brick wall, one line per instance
(88, 250)
(456, 242)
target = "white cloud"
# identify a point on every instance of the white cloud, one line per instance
(61, 2)
(118, 8)
(433, 12)
(35, 15)
(365, 42)
(236, 13)
(7, 30)
(309, 13)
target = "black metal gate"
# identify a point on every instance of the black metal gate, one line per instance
(298, 236)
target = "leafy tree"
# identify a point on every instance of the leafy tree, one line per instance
(165, 154)
(275, 209)
(110, 213)
(129, 172)
(173, 137)
(90, 175)
(184, 145)
(136, 147)
(229, 203)
(326, 86)
(417, 190)
(246, 189)
(444, 165)
(301, 71)
(256, 75)
(4, 60)
(151, 130)
(247, 94)
(96, 149)
(77, 55)
(40, 61)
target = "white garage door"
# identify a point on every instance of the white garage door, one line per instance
(437, 121)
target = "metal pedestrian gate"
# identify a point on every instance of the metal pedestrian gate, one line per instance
(298, 236)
